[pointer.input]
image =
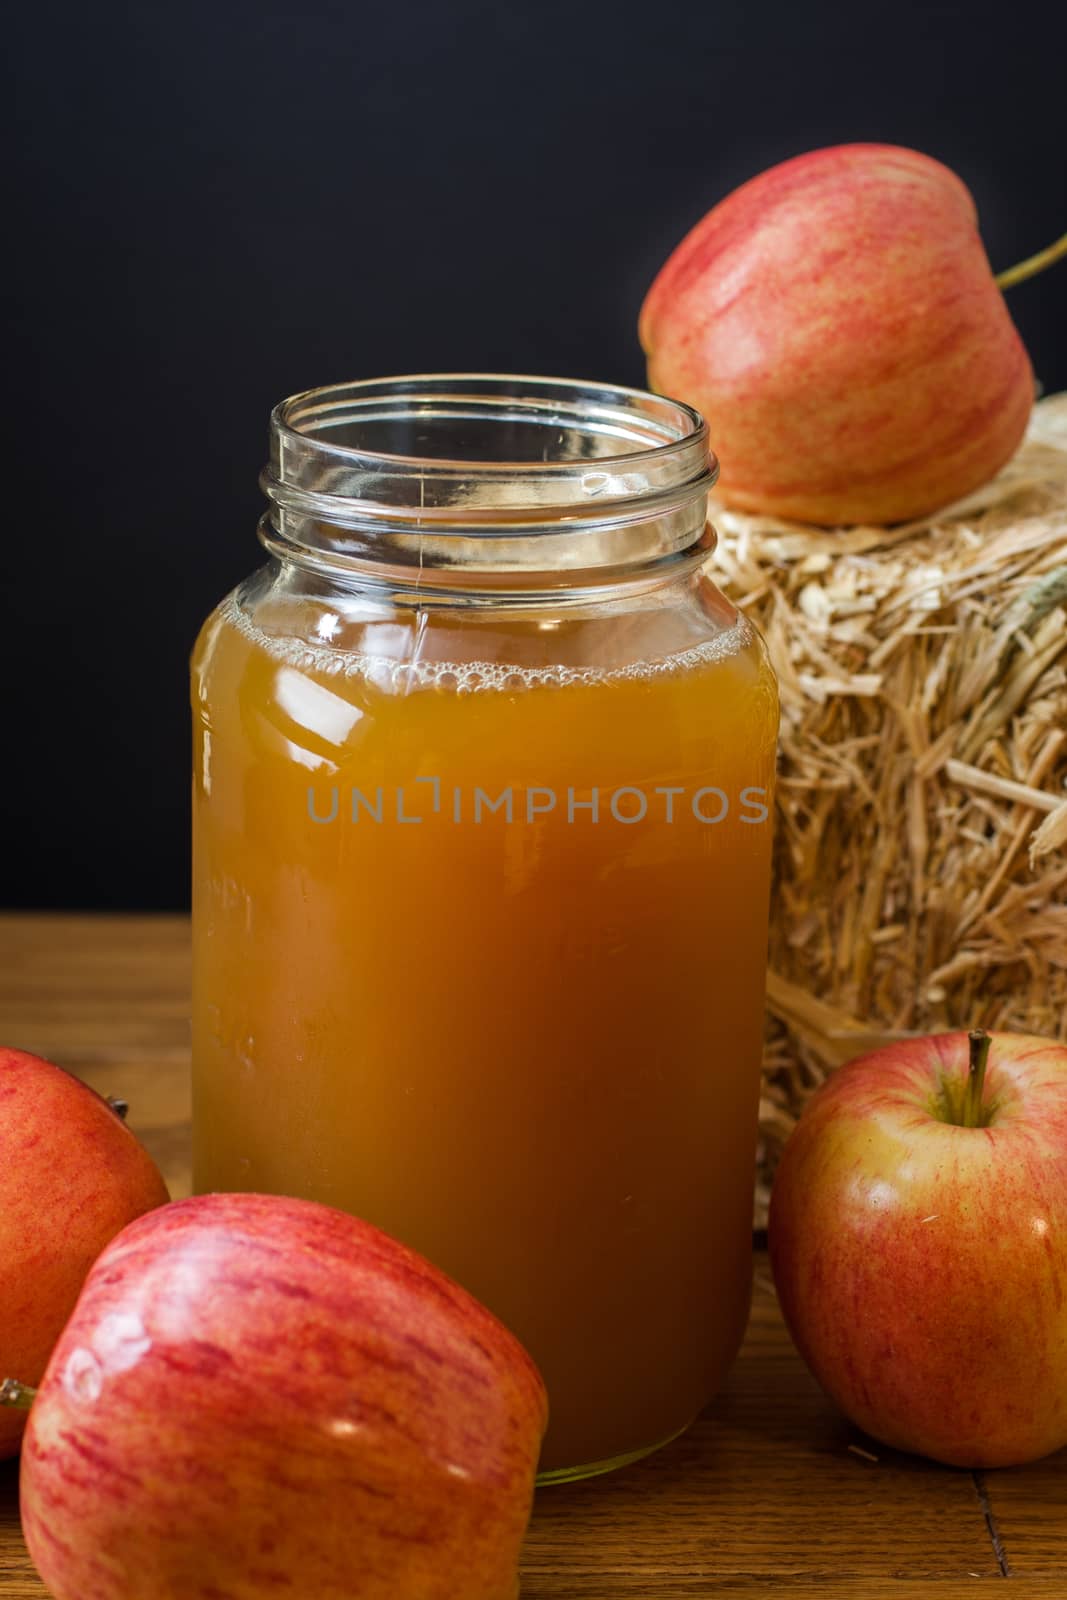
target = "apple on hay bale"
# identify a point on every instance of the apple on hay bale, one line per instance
(837, 322)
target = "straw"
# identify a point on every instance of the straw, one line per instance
(921, 848)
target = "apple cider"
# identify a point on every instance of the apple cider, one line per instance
(483, 781)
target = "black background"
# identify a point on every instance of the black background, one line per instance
(215, 206)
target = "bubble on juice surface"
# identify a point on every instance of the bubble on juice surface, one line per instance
(469, 677)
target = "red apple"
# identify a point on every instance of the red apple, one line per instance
(837, 322)
(71, 1176)
(918, 1236)
(261, 1396)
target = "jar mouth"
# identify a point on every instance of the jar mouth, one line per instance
(492, 459)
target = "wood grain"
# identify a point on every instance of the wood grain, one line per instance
(770, 1490)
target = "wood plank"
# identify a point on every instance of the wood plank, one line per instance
(88, 989)
(1029, 1509)
(108, 998)
(764, 1489)
(759, 1588)
(763, 1492)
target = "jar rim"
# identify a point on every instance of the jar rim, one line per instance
(493, 470)
(332, 400)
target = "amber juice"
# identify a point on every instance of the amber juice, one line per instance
(522, 1036)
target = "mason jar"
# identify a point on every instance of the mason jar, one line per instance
(482, 823)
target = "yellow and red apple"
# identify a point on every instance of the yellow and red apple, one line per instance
(71, 1176)
(837, 321)
(918, 1236)
(261, 1396)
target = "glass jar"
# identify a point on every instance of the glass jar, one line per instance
(483, 784)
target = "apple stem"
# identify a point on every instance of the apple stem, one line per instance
(1033, 264)
(972, 1096)
(16, 1394)
(121, 1108)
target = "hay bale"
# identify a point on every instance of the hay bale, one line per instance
(921, 851)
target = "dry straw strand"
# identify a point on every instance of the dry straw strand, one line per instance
(921, 846)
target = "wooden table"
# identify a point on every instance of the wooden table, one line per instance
(770, 1491)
